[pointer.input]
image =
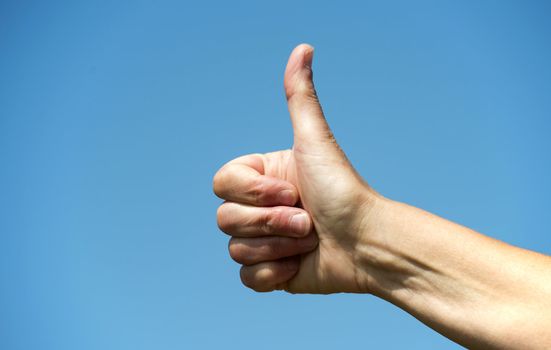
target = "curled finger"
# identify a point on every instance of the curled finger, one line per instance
(271, 275)
(241, 220)
(250, 251)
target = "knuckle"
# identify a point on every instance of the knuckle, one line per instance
(236, 250)
(259, 281)
(218, 181)
(269, 219)
(246, 277)
(264, 281)
(256, 191)
(267, 227)
(222, 219)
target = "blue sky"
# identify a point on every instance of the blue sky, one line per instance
(115, 115)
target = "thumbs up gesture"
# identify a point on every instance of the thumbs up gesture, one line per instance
(297, 216)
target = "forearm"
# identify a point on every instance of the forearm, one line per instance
(471, 288)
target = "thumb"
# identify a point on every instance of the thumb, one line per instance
(311, 131)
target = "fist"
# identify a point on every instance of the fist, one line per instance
(297, 217)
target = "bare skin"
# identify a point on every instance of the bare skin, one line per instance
(304, 221)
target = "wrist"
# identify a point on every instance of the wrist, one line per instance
(384, 265)
(368, 255)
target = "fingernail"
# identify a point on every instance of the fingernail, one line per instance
(286, 197)
(309, 56)
(299, 223)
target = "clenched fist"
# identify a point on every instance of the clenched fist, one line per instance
(297, 216)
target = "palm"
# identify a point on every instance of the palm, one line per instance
(327, 192)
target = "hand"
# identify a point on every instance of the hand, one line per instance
(471, 288)
(279, 205)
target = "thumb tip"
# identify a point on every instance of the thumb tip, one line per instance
(305, 53)
(301, 57)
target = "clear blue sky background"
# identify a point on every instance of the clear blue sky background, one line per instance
(115, 115)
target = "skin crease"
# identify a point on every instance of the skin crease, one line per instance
(473, 289)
